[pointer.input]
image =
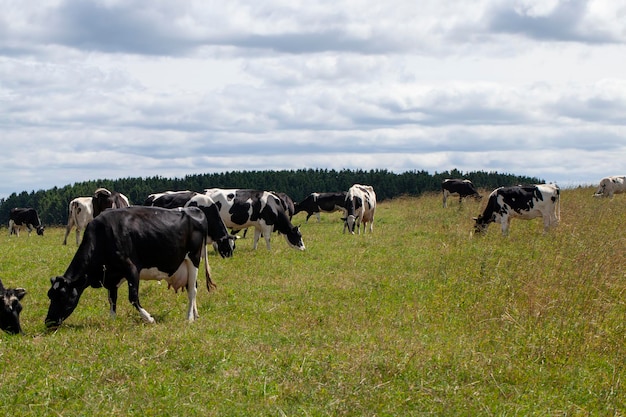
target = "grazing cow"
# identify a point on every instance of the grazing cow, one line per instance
(241, 208)
(315, 203)
(611, 185)
(285, 201)
(24, 217)
(134, 243)
(80, 214)
(464, 188)
(360, 206)
(223, 243)
(103, 199)
(521, 201)
(10, 308)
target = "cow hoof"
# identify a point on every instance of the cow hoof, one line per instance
(148, 319)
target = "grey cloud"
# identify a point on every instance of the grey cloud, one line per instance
(124, 27)
(313, 42)
(565, 23)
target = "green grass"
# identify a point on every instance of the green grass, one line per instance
(419, 318)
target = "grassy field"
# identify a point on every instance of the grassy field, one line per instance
(419, 318)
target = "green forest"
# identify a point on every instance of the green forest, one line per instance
(52, 204)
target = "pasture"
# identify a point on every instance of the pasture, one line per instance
(417, 319)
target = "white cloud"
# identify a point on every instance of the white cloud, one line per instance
(110, 89)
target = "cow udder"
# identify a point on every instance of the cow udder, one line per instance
(177, 280)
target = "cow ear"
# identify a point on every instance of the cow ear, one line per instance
(56, 282)
(20, 293)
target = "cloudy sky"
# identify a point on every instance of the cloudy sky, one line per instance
(128, 88)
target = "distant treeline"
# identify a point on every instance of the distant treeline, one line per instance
(52, 205)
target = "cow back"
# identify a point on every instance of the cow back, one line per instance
(147, 236)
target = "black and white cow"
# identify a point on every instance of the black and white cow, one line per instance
(523, 202)
(315, 203)
(10, 308)
(103, 199)
(169, 199)
(285, 201)
(464, 188)
(223, 243)
(360, 206)
(80, 213)
(610, 186)
(242, 208)
(134, 243)
(28, 217)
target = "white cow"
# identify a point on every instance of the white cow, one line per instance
(360, 207)
(521, 201)
(80, 214)
(611, 185)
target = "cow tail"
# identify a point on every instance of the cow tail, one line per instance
(558, 204)
(207, 268)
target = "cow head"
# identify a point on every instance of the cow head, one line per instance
(349, 222)
(481, 224)
(10, 309)
(40, 230)
(226, 245)
(63, 300)
(294, 238)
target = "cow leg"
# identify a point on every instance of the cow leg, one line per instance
(68, 229)
(192, 289)
(267, 234)
(257, 235)
(505, 223)
(547, 222)
(319, 218)
(113, 301)
(133, 293)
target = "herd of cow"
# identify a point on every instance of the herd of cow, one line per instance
(167, 236)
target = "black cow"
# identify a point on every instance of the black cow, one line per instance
(315, 203)
(103, 199)
(464, 188)
(134, 243)
(10, 308)
(242, 208)
(223, 243)
(24, 217)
